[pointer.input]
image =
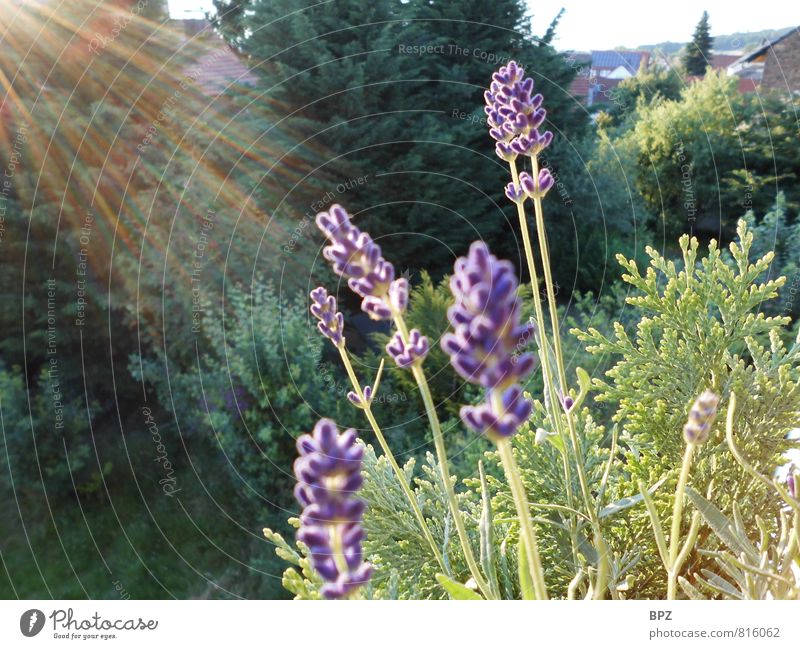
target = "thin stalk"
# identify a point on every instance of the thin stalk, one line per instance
(527, 533)
(441, 453)
(547, 374)
(602, 563)
(677, 512)
(392, 461)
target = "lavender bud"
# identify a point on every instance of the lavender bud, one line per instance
(514, 114)
(539, 187)
(328, 475)
(357, 401)
(515, 193)
(331, 322)
(566, 401)
(498, 420)
(354, 255)
(398, 295)
(405, 354)
(376, 308)
(505, 152)
(791, 482)
(701, 418)
(487, 333)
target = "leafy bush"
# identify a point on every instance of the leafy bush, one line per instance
(261, 378)
(691, 324)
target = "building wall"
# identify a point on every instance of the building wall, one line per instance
(782, 65)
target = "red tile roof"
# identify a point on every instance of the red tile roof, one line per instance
(721, 61)
(220, 68)
(580, 87)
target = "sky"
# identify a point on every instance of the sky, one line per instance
(605, 24)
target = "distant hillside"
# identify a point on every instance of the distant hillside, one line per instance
(743, 41)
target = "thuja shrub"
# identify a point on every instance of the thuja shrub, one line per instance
(670, 495)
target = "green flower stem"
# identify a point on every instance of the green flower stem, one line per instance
(602, 552)
(792, 502)
(527, 533)
(677, 512)
(441, 453)
(547, 374)
(392, 461)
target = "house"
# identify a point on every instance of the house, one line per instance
(723, 61)
(618, 64)
(217, 68)
(601, 71)
(773, 66)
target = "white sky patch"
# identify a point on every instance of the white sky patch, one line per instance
(588, 25)
(189, 8)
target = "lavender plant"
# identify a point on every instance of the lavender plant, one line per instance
(328, 476)
(484, 345)
(577, 507)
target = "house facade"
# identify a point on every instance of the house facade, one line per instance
(773, 66)
(601, 71)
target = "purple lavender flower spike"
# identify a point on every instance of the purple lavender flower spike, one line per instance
(487, 338)
(701, 418)
(514, 114)
(328, 475)
(355, 256)
(791, 482)
(487, 332)
(406, 354)
(331, 322)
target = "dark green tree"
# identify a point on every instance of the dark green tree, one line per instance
(394, 92)
(697, 55)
